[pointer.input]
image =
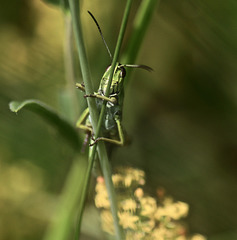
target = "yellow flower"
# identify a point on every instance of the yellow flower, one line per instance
(139, 193)
(148, 206)
(100, 186)
(159, 233)
(129, 205)
(101, 198)
(174, 211)
(147, 226)
(117, 178)
(102, 201)
(130, 174)
(138, 174)
(198, 237)
(182, 209)
(160, 212)
(177, 210)
(128, 220)
(131, 235)
(128, 180)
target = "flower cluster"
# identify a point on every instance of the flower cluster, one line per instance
(141, 216)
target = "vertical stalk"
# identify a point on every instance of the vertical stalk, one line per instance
(140, 26)
(85, 71)
(70, 64)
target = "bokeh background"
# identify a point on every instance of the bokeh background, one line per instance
(182, 118)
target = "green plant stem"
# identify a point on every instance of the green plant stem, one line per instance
(75, 11)
(69, 64)
(140, 26)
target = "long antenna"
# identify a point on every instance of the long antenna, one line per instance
(149, 69)
(98, 26)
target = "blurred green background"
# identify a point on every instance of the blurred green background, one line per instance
(182, 118)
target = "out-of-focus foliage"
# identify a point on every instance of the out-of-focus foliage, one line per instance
(181, 118)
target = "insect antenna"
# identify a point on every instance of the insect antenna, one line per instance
(138, 66)
(98, 26)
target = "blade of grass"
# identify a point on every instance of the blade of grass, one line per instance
(140, 26)
(69, 64)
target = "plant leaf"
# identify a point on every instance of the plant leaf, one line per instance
(50, 115)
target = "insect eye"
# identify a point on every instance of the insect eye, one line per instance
(122, 72)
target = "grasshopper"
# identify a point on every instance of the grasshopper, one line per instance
(112, 129)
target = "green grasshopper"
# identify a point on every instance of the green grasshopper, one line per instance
(112, 129)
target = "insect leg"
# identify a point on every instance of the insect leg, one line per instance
(119, 142)
(82, 119)
(97, 95)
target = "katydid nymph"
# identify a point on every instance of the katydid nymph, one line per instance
(111, 129)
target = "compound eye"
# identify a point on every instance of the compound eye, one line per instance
(123, 72)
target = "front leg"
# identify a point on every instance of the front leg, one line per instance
(99, 96)
(119, 142)
(81, 86)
